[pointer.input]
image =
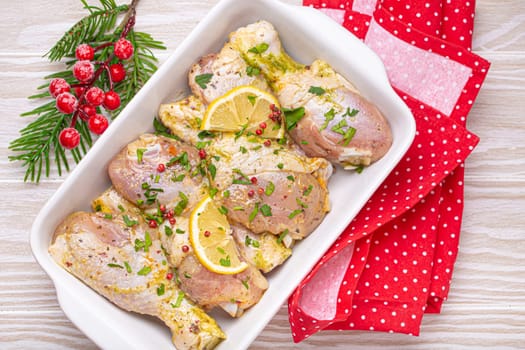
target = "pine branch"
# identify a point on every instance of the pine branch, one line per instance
(88, 29)
(38, 146)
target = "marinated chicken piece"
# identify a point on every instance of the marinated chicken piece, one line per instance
(225, 70)
(234, 293)
(116, 258)
(174, 239)
(156, 170)
(264, 251)
(338, 123)
(238, 153)
(239, 158)
(282, 203)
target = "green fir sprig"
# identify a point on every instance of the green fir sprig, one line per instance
(38, 145)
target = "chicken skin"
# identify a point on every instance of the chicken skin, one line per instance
(337, 122)
(116, 256)
(240, 160)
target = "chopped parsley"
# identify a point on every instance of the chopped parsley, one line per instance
(178, 302)
(212, 191)
(308, 190)
(270, 187)
(266, 210)
(144, 271)
(295, 213)
(178, 178)
(262, 47)
(245, 282)
(160, 289)
(212, 170)
(128, 267)
(140, 154)
(254, 212)
(338, 128)
(143, 244)
(243, 150)
(301, 203)
(203, 79)
(328, 117)
(291, 178)
(225, 261)
(223, 210)
(108, 216)
(351, 113)
(240, 132)
(181, 205)
(179, 231)
(280, 166)
(293, 116)
(316, 90)
(168, 231)
(182, 159)
(252, 71)
(282, 235)
(349, 135)
(205, 134)
(251, 242)
(116, 265)
(252, 99)
(128, 221)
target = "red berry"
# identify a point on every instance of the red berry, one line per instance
(202, 154)
(267, 143)
(97, 124)
(84, 52)
(172, 221)
(185, 248)
(253, 180)
(66, 103)
(169, 276)
(69, 138)
(161, 167)
(152, 224)
(207, 233)
(95, 96)
(251, 193)
(88, 111)
(162, 208)
(111, 100)
(123, 49)
(260, 190)
(117, 72)
(259, 131)
(262, 125)
(83, 71)
(79, 91)
(58, 86)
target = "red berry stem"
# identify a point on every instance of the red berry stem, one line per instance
(103, 46)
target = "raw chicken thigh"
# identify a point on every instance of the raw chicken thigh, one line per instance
(116, 256)
(338, 123)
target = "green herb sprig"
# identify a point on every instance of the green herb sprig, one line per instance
(38, 147)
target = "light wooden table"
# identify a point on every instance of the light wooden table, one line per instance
(486, 306)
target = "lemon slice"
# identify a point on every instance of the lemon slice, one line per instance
(244, 107)
(211, 239)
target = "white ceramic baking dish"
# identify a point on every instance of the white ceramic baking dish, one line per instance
(306, 34)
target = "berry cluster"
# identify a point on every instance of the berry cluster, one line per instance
(85, 99)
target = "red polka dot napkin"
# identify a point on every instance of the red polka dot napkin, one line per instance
(394, 261)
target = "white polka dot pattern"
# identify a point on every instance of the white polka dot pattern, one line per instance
(405, 239)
